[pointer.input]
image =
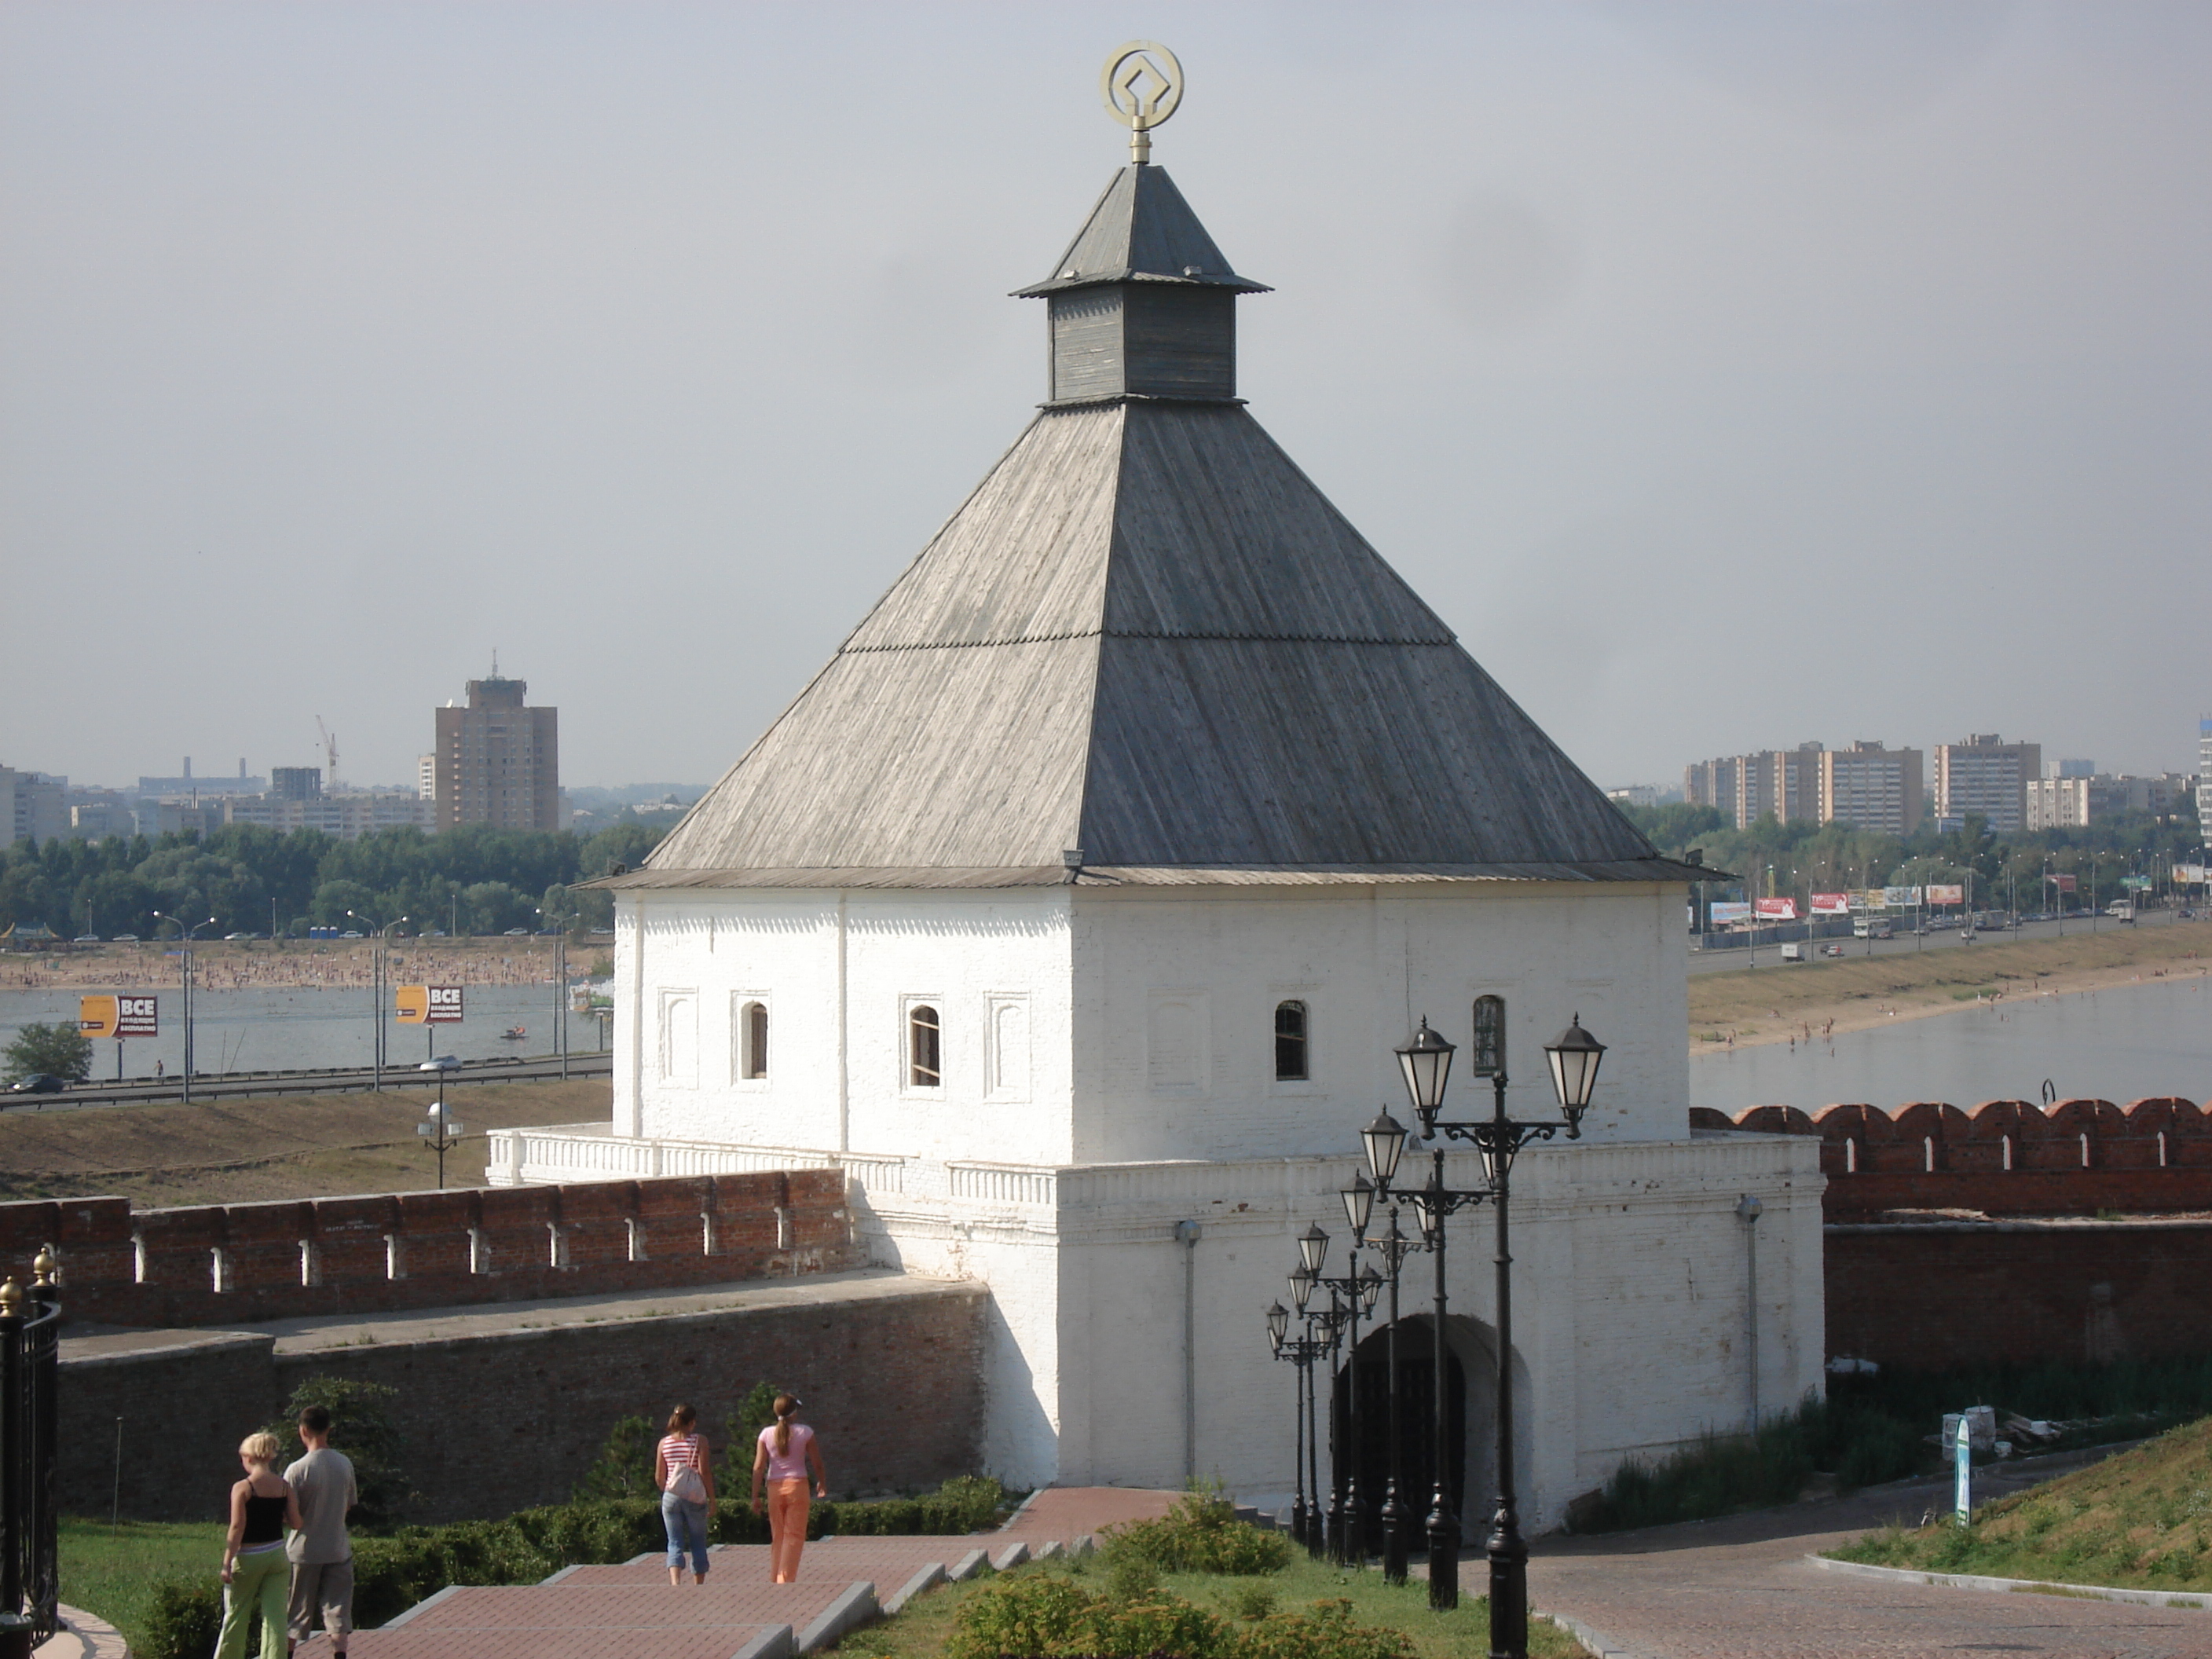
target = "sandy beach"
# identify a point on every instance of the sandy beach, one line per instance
(1827, 997)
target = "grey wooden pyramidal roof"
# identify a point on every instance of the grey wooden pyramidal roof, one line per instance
(1148, 636)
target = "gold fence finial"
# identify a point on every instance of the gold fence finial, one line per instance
(1142, 85)
(45, 1264)
(11, 1299)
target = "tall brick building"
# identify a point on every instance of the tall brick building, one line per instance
(497, 760)
(1988, 775)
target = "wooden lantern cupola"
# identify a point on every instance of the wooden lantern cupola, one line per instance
(1143, 304)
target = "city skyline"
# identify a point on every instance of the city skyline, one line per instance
(1711, 372)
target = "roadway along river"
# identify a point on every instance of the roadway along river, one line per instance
(2122, 1044)
(285, 1028)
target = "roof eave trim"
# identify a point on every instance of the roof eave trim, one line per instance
(1230, 281)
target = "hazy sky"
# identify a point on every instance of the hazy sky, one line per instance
(1728, 374)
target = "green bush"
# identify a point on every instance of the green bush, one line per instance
(624, 1469)
(1201, 1534)
(1716, 1476)
(185, 1618)
(1047, 1615)
(363, 1428)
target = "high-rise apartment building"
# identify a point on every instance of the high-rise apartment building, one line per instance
(1782, 783)
(1988, 775)
(1872, 788)
(295, 782)
(32, 806)
(1711, 783)
(498, 761)
(425, 777)
(2204, 778)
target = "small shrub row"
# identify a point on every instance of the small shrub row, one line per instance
(1200, 1533)
(1049, 1616)
(393, 1572)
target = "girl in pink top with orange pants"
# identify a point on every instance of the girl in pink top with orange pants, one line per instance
(786, 1448)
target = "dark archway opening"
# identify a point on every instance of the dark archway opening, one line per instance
(1368, 1451)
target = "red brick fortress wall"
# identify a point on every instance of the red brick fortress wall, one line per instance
(2080, 1232)
(2002, 1157)
(229, 1263)
(1937, 1294)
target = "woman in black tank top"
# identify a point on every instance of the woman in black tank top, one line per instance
(253, 1566)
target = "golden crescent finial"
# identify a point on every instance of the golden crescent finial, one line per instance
(1142, 86)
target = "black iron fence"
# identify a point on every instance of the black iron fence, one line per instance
(30, 1353)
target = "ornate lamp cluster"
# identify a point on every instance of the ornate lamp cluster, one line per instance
(1343, 1528)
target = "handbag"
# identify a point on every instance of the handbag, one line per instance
(685, 1484)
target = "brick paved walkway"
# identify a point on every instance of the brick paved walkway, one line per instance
(1742, 1587)
(615, 1612)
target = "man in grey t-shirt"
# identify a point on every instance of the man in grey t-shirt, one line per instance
(320, 1554)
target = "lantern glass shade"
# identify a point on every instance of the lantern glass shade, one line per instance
(1279, 1325)
(1301, 1287)
(1574, 1054)
(1358, 1204)
(1426, 1064)
(1429, 1208)
(1497, 1164)
(1313, 1248)
(1385, 1140)
(1370, 1286)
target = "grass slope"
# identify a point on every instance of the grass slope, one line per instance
(921, 1632)
(235, 1151)
(1770, 1000)
(2140, 1521)
(112, 1571)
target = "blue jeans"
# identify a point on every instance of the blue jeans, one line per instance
(686, 1524)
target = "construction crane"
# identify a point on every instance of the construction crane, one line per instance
(330, 754)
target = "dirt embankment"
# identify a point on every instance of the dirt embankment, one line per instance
(237, 1152)
(1852, 993)
(245, 964)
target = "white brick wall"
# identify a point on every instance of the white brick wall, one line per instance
(1145, 1095)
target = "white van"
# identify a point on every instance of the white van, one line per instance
(1793, 952)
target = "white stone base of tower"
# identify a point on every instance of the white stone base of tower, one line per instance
(1633, 1317)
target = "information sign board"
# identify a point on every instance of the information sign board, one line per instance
(427, 1005)
(105, 1016)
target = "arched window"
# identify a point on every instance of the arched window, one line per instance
(922, 1035)
(753, 1044)
(1488, 1059)
(1290, 1042)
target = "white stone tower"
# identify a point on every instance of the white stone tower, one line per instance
(1087, 891)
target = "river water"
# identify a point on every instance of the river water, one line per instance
(283, 1028)
(2120, 1044)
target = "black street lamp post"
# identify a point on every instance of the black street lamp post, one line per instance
(1300, 1352)
(1397, 1519)
(1574, 1055)
(1312, 1346)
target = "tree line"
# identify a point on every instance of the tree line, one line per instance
(473, 879)
(2008, 869)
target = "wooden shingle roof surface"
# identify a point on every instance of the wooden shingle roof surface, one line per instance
(1148, 636)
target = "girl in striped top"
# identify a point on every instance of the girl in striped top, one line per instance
(685, 1475)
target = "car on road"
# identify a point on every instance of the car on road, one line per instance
(440, 1063)
(350, 932)
(231, 938)
(125, 938)
(1832, 949)
(39, 1083)
(518, 932)
(86, 938)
